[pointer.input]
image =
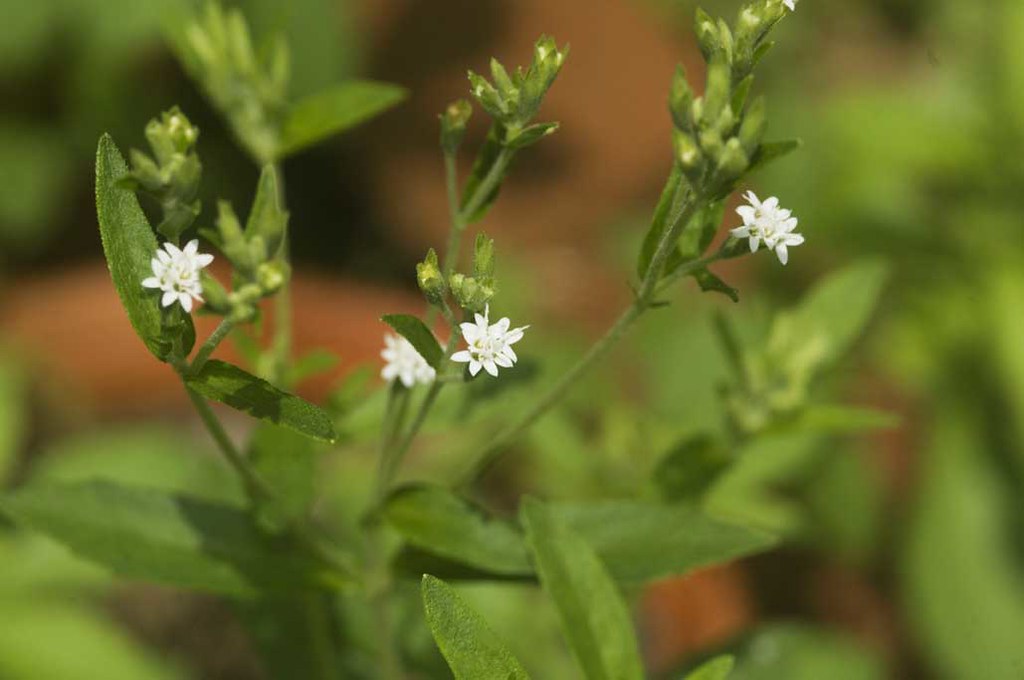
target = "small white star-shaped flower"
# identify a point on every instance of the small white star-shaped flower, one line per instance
(176, 273)
(791, 4)
(490, 345)
(404, 363)
(766, 221)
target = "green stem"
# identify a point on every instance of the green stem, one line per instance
(486, 187)
(281, 348)
(458, 225)
(219, 333)
(649, 288)
(394, 417)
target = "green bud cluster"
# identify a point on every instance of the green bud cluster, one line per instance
(430, 279)
(171, 175)
(471, 292)
(250, 90)
(718, 136)
(254, 252)
(514, 99)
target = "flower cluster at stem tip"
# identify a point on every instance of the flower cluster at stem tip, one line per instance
(176, 273)
(404, 363)
(766, 221)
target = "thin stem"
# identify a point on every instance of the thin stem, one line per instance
(219, 333)
(683, 210)
(458, 225)
(486, 186)
(281, 347)
(394, 417)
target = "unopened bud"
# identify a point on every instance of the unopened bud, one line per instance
(453, 125)
(680, 100)
(430, 279)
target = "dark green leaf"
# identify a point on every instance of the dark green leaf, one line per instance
(690, 468)
(266, 218)
(473, 651)
(716, 669)
(142, 533)
(481, 168)
(708, 282)
(435, 520)
(417, 333)
(335, 110)
(659, 223)
(595, 619)
(129, 244)
(641, 542)
(234, 387)
(772, 151)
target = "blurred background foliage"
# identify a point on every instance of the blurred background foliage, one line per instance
(904, 544)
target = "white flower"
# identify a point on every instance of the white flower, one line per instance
(769, 223)
(176, 273)
(404, 362)
(490, 345)
(791, 4)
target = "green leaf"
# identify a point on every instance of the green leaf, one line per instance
(641, 542)
(473, 651)
(481, 168)
(266, 218)
(773, 151)
(437, 521)
(709, 283)
(595, 619)
(245, 392)
(129, 244)
(659, 223)
(805, 653)
(141, 533)
(335, 110)
(838, 419)
(690, 468)
(417, 333)
(718, 668)
(287, 461)
(41, 638)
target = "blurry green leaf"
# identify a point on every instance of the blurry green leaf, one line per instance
(435, 520)
(595, 620)
(846, 501)
(62, 641)
(468, 644)
(417, 333)
(641, 542)
(836, 419)
(26, 34)
(314, 363)
(142, 457)
(689, 468)
(287, 461)
(718, 668)
(234, 387)
(659, 223)
(791, 652)
(144, 534)
(32, 565)
(289, 633)
(36, 167)
(129, 244)
(12, 417)
(332, 111)
(266, 218)
(962, 580)
(840, 306)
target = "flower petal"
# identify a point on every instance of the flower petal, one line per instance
(151, 282)
(186, 301)
(782, 252)
(748, 213)
(168, 298)
(474, 367)
(462, 357)
(490, 367)
(755, 242)
(740, 232)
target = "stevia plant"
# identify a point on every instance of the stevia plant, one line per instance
(268, 555)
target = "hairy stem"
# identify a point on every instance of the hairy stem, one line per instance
(219, 333)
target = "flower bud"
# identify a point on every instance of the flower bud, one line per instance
(470, 294)
(172, 134)
(687, 153)
(680, 100)
(753, 127)
(733, 161)
(487, 96)
(529, 135)
(718, 90)
(707, 34)
(483, 258)
(430, 279)
(270, 276)
(453, 125)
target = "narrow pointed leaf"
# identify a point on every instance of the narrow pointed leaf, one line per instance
(143, 533)
(773, 151)
(439, 522)
(417, 333)
(335, 110)
(718, 668)
(659, 223)
(595, 620)
(243, 391)
(129, 245)
(710, 283)
(473, 651)
(485, 162)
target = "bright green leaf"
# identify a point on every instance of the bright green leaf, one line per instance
(716, 669)
(417, 333)
(659, 223)
(335, 110)
(468, 644)
(595, 619)
(437, 521)
(129, 244)
(234, 387)
(141, 533)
